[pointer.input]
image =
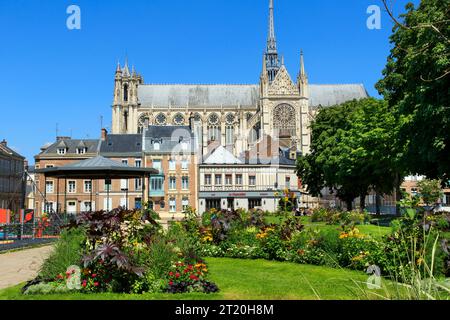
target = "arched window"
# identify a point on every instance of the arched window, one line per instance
(125, 93)
(214, 128)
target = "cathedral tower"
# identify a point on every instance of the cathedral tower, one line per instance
(284, 104)
(125, 104)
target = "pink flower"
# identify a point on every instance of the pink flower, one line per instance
(84, 284)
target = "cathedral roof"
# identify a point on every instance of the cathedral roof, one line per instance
(327, 95)
(181, 95)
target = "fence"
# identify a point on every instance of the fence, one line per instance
(41, 228)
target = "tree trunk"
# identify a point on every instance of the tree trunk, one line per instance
(398, 195)
(362, 203)
(349, 204)
(378, 204)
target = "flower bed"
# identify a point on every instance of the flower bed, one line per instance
(122, 252)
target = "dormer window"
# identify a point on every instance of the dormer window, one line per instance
(157, 144)
(81, 150)
(62, 151)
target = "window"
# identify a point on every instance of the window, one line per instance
(125, 161)
(447, 200)
(157, 165)
(72, 186)
(218, 179)
(185, 183)
(252, 180)
(288, 182)
(207, 179)
(123, 184)
(156, 184)
(173, 205)
(81, 150)
(151, 205)
(49, 166)
(239, 179)
(107, 185)
(185, 203)
(228, 179)
(49, 187)
(253, 203)
(414, 192)
(87, 186)
(229, 135)
(62, 151)
(138, 163)
(125, 93)
(172, 183)
(184, 165)
(86, 206)
(172, 165)
(137, 184)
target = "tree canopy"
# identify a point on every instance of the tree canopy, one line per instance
(353, 149)
(416, 85)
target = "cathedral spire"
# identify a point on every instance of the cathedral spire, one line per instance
(302, 78)
(271, 56)
(271, 40)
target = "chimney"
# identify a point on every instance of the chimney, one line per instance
(62, 138)
(104, 134)
(4, 143)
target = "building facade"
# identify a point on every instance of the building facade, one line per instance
(173, 151)
(12, 182)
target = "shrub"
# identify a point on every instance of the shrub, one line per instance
(46, 288)
(68, 251)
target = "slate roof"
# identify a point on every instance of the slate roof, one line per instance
(9, 152)
(121, 144)
(169, 139)
(198, 95)
(333, 94)
(71, 145)
(181, 95)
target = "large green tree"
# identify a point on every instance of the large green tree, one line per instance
(416, 85)
(353, 150)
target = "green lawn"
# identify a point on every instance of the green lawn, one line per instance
(251, 279)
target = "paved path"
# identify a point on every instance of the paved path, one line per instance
(21, 266)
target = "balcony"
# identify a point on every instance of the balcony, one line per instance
(156, 193)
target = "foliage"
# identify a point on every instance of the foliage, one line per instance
(415, 84)
(67, 252)
(343, 218)
(287, 202)
(352, 150)
(430, 191)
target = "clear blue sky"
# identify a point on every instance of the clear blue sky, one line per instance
(51, 75)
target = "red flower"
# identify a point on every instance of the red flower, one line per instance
(171, 283)
(170, 273)
(94, 275)
(177, 275)
(193, 277)
(84, 284)
(186, 270)
(96, 284)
